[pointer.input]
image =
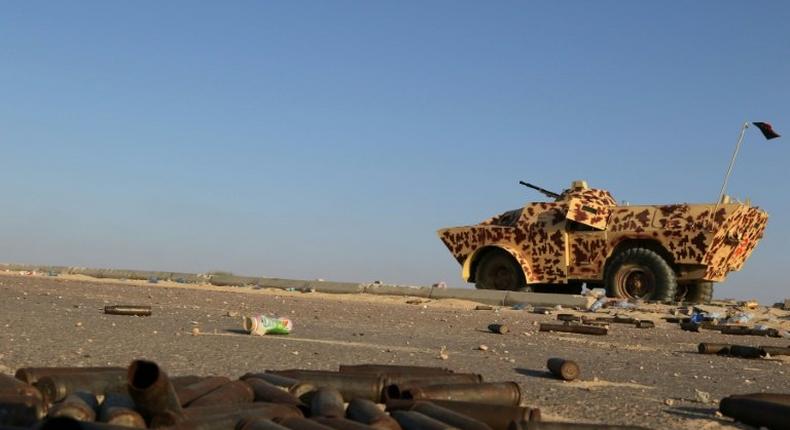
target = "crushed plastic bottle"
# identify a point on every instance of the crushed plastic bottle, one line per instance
(261, 325)
(740, 318)
(598, 304)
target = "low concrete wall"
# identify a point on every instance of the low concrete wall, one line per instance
(489, 297)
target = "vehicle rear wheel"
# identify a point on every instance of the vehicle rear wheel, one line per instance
(700, 292)
(640, 273)
(498, 270)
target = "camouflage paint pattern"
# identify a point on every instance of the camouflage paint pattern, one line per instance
(572, 238)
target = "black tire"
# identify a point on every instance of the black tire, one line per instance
(640, 273)
(700, 292)
(498, 270)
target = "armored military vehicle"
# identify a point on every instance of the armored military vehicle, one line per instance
(655, 252)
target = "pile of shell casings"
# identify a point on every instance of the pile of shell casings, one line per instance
(355, 397)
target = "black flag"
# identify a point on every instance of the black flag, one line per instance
(767, 130)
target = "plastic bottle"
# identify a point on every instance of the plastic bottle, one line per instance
(261, 325)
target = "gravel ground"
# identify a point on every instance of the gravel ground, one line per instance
(648, 377)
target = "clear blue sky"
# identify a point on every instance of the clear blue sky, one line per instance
(331, 139)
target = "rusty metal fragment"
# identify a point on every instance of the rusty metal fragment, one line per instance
(563, 369)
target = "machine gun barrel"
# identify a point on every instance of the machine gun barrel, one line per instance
(543, 191)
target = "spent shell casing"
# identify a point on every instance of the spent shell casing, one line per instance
(258, 423)
(713, 348)
(341, 423)
(31, 375)
(132, 310)
(227, 394)
(775, 350)
(56, 387)
(391, 368)
(498, 417)
(367, 412)
(327, 402)
(266, 392)
(756, 412)
(80, 406)
(298, 423)
(188, 393)
(575, 328)
(495, 393)
(498, 328)
(413, 420)
(350, 385)
(563, 369)
(450, 417)
(743, 351)
(151, 390)
(20, 409)
(118, 409)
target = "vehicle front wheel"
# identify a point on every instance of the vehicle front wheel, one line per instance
(498, 270)
(640, 273)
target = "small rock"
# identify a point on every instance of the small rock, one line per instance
(78, 324)
(232, 314)
(669, 402)
(702, 396)
(443, 355)
(483, 347)
(195, 331)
